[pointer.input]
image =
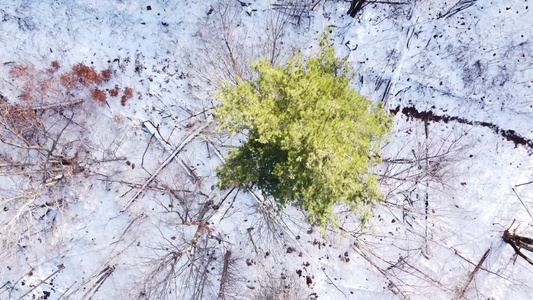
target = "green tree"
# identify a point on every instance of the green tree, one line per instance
(312, 139)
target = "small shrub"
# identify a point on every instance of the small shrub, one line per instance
(27, 94)
(98, 95)
(47, 84)
(55, 65)
(67, 80)
(22, 121)
(106, 75)
(41, 85)
(128, 94)
(113, 92)
(86, 75)
(19, 71)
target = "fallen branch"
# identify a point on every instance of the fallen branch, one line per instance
(56, 105)
(530, 182)
(358, 247)
(473, 274)
(99, 273)
(224, 276)
(164, 164)
(458, 7)
(470, 262)
(60, 267)
(103, 277)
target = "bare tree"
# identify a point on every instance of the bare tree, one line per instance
(180, 266)
(39, 153)
(223, 55)
(45, 149)
(228, 48)
(282, 287)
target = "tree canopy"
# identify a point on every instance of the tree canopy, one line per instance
(312, 139)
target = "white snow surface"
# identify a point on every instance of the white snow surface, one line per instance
(465, 183)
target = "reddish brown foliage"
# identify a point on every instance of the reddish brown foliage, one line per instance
(55, 65)
(114, 92)
(86, 75)
(19, 71)
(98, 95)
(43, 84)
(46, 85)
(105, 75)
(50, 85)
(128, 94)
(54, 68)
(27, 94)
(67, 80)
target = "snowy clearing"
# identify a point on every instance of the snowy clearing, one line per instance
(108, 152)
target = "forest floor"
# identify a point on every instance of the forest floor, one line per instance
(107, 177)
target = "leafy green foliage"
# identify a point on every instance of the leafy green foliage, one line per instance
(312, 139)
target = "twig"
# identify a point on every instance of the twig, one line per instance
(425, 249)
(230, 205)
(458, 7)
(126, 230)
(473, 274)
(189, 170)
(66, 290)
(359, 249)
(168, 146)
(249, 230)
(522, 203)
(55, 105)
(50, 182)
(389, 2)
(333, 283)
(103, 267)
(470, 262)
(526, 183)
(314, 6)
(60, 267)
(103, 277)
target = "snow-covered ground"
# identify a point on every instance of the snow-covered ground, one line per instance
(138, 222)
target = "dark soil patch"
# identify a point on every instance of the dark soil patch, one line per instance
(429, 116)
